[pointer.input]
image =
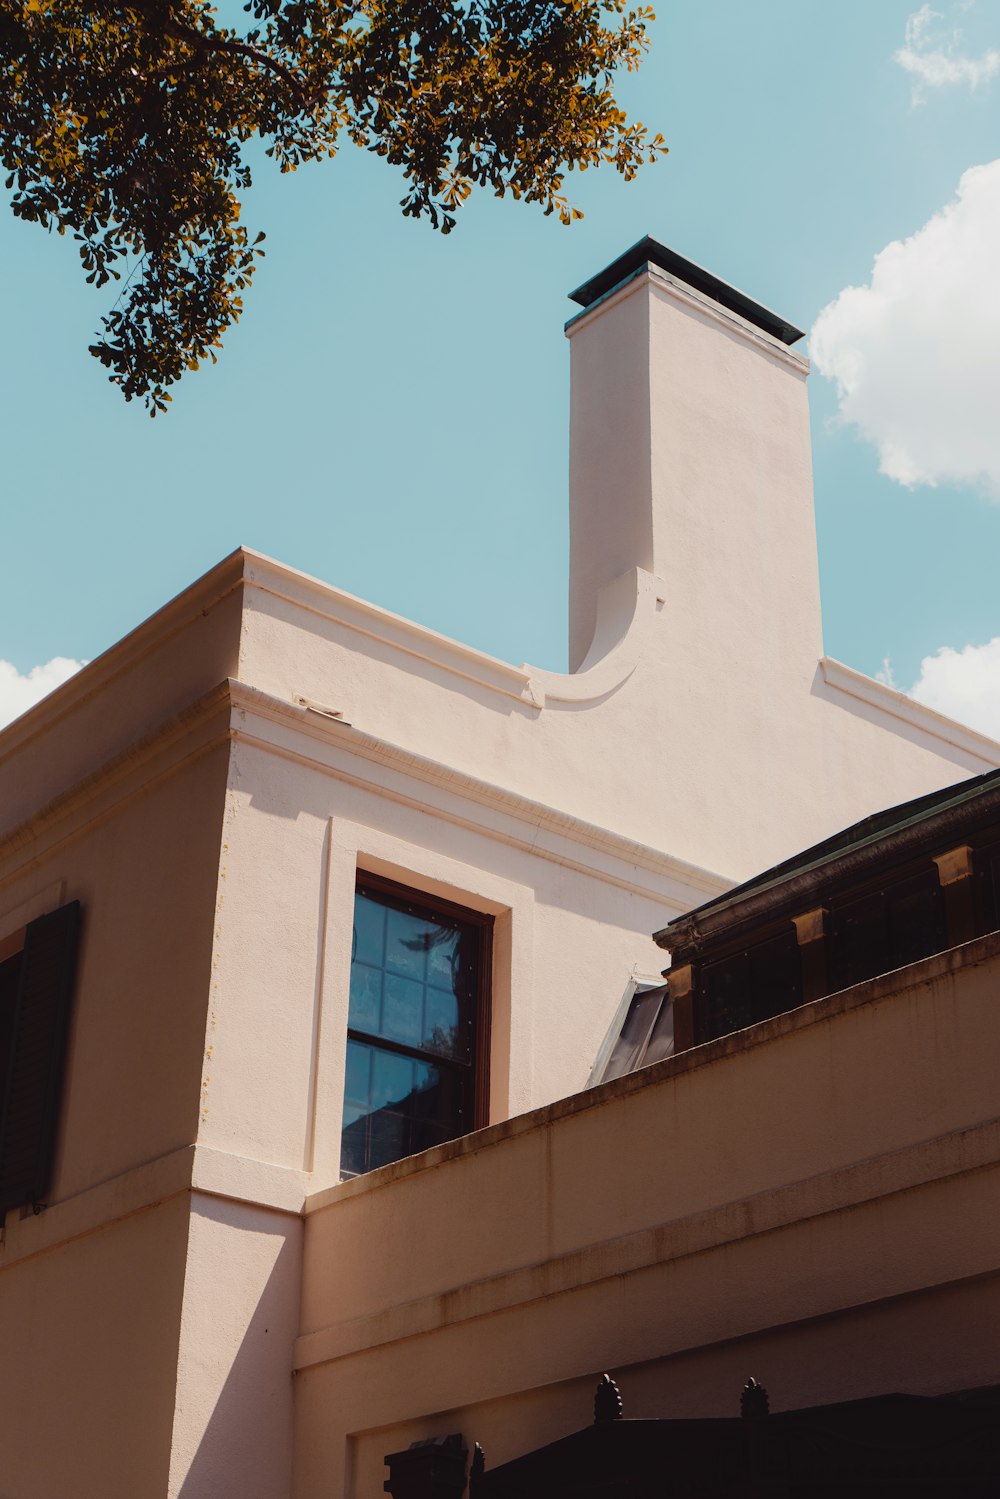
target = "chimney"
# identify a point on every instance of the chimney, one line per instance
(690, 458)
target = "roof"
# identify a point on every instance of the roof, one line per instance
(649, 251)
(890, 833)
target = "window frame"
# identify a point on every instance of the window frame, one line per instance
(33, 1086)
(412, 899)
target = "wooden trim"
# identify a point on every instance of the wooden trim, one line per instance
(955, 876)
(682, 983)
(484, 1029)
(11, 945)
(810, 931)
(410, 897)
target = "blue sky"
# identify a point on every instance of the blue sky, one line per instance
(392, 413)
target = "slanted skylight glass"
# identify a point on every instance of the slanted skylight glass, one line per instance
(641, 1033)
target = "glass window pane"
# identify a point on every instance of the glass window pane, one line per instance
(365, 1007)
(392, 1078)
(443, 959)
(407, 939)
(661, 1042)
(438, 1106)
(442, 1031)
(357, 1079)
(629, 1046)
(369, 931)
(415, 983)
(402, 1014)
(353, 1151)
(390, 1138)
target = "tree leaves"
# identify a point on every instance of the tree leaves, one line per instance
(123, 125)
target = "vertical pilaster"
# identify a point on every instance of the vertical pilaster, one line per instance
(955, 875)
(810, 931)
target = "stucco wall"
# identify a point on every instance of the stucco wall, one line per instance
(91, 1287)
(210, 788)
(87, 1381)
(701, 717)
(812, 1201)
(143, 863)
(567, 940)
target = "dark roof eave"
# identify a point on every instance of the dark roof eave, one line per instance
(649, 251)
(881, 840)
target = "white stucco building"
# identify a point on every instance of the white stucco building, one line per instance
(202, 1309)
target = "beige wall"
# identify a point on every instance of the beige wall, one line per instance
(91, 1288)
(812, 1201)
(702, 718)
(209, 789)
(90, 1337)
(143, 860)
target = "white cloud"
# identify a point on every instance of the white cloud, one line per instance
(915, 354)
(933, 57)
(963, 684)
(19, 693)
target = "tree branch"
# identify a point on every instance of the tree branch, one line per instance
(239, 49)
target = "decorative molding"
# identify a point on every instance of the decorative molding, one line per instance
(955, 865)
(198, 599)
(809, 926)
(925, 1165)
(197, 1170)
(677, 291)
(625, 609)
(183, 736)
(626, 613)
(393, 630)
(540, 818)
(889, 700)
(142, 764)
(17, 917)
(237, 1178)
(924, 971)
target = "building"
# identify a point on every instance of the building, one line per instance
(244, 795)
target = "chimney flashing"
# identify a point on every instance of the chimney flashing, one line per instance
(649, 252)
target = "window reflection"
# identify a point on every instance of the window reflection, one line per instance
(415, 978)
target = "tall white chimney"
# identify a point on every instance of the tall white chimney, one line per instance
(690, 457)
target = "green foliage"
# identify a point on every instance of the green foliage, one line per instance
(123, 125)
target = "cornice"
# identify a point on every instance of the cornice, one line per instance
(538, 818)
(625, 609)
(208, 590)
(143, 762)
(652, 278)
(889, 700)
(376, 623)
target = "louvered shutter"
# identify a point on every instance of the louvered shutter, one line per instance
(33, 1089)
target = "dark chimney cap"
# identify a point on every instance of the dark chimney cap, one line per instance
(650, 252)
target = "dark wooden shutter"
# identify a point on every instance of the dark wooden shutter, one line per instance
(33, 1089)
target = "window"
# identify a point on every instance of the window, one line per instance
(886, 929)
(37, 970)
(418, 1025)
(641, 1033)
(749, 986)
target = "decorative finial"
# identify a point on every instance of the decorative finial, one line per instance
(607, 1400)
(753, 1401)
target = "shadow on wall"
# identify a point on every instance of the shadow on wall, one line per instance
(242, 1306)
(966, 762)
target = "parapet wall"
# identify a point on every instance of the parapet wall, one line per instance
(775, 1195)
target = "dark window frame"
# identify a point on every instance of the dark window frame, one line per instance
(36, 1045)
(757, 967)
(414, 901)
(884, 897)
